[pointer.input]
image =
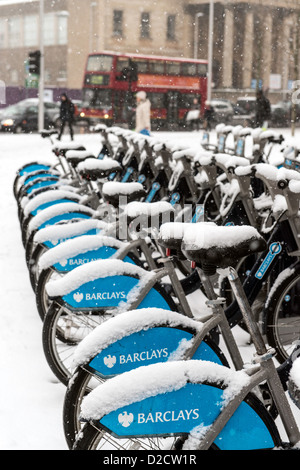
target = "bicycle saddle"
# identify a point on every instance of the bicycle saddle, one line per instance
(93, 169)
(112, 191)
(150, 212)
(220, 246)
(76, 156)
(171, 234)
(47, 132)
(62, 147)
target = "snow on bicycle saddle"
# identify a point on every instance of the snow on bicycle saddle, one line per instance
(92, 168)
(112, 192)
(76, 156)
(171, 234)
(63, 147)
(154, 211)
(220, 246)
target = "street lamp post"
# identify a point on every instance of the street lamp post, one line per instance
(210, 48)
(196, 34)
(41, 79)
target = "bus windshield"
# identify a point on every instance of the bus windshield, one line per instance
(99, 63)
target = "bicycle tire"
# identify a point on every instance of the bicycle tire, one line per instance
(42, 300)
(90, 436)
(60, 338)
(282, 315)
(77, 389)
(33, 264)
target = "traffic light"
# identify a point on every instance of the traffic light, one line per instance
(34, 62)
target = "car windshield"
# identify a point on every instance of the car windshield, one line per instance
(13, 110)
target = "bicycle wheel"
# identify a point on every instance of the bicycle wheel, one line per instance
(33, 265)
(90, 438)
(82, 383)
(62, 332)
(282, 313)
(42, 299)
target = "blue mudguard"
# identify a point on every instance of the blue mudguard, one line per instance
(179, 398)
(105, 284)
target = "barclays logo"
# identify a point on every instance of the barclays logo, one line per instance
(78, 297)
(130, 358)
(126, 419)
(110, 361)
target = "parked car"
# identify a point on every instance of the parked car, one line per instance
(248, 103)
(23, 116)
(243, 117)
(281, 113)
(223, 111)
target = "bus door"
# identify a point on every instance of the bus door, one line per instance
(172, 107)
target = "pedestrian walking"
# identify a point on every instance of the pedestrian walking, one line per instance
(208, 116)
(193, 115)
(263, 110)
(66, 115)
(142, 113)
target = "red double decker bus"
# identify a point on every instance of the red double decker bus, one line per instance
(111, 81)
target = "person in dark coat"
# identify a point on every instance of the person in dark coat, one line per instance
(263, 109)
(208, 116)
(66, 115)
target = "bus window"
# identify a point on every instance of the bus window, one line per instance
(189, 69)
(202, 70)
(156, 66)
(158, 100)
(99, 98)
(122, 62)
(187, 100)
(142, 65)
(99, 63)
(173, 68)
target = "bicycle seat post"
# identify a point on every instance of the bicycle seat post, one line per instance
(246, 310)
(219, 316)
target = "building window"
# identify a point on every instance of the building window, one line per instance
(62, 33)
(14, 76)
(49, 29)
(145, 25)
(30, 30)
(3, 33)
(171, 20)
(14, 31)
(118, 23)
